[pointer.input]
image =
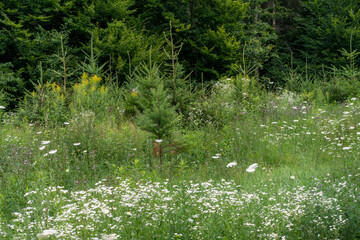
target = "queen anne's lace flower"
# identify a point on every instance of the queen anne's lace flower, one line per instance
(52, 151)
(46, 234)
(232, 164)
(252, 167)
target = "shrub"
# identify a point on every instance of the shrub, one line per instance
(45, 105)
(90, 95)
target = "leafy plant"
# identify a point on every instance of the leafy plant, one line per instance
(45, 105)
(90, 94)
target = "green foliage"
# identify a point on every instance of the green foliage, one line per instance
(99, 128)
(127, 46)
(90, 95)
(90, 65)
(160, 118)
(64, 60)
(157, 116)
(176, 80)
(11, 85)
(46, 104)
(215, 38)
(31, 32)
(289, 139)
(322, 29)
(209, 30)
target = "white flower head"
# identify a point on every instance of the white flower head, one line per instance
(52, 151)
(42, 148)
(76, 144)
(252, 168)
(46, 234)
(45, 142)
(158, 140)
(218, 155)
(109, 236)
(232, 164)
(292, 177)
(66, 123)
(2, 107)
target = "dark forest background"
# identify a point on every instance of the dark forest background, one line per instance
(270, 38)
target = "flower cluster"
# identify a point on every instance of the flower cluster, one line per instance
(196, 210)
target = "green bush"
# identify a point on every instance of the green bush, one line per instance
(45, 105)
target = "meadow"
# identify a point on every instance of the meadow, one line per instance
(255, 165)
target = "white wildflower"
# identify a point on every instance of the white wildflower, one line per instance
(52, 151)
(232, 164)
(46, 234)
(109, 236)
(217, 156)
(252, 167)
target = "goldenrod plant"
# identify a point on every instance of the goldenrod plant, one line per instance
(89, 94)
(45, 104)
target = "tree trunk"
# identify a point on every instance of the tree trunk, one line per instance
(191, 9)
(272, 4)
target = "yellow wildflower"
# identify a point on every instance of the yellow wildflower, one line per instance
(54, 87)
(103, 89)
(95, 79)
(134, 93)
(84, 77)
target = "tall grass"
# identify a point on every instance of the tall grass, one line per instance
(92, 174)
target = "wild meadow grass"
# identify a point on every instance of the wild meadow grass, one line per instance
(287, 170)
(186, 210)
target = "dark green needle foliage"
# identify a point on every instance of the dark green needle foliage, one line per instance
(158, 115)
